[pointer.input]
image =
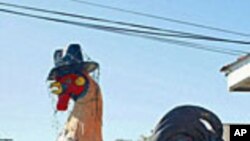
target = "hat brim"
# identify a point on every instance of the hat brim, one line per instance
(84, 66)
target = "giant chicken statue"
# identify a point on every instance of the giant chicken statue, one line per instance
(71, 80)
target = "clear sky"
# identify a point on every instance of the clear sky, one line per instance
(140, 79)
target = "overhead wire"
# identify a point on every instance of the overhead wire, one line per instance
(127, 32)
(169, 32)
(163, 18)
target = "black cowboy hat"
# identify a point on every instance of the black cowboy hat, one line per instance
(71, 62)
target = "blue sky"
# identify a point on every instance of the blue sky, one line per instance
(140, 79)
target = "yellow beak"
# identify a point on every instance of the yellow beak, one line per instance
(56, 88)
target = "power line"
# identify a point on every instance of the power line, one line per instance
(110, 29)
(178, 34)
(194, 45)
(114, 30)
(163, 18)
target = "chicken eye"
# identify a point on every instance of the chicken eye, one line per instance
(80, 81)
